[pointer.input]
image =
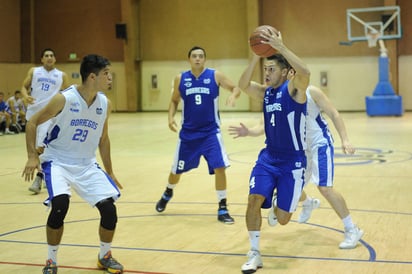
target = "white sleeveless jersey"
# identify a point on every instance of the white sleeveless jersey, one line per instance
(317, 131)
(76, 130)
(44, 85)
(17, 103)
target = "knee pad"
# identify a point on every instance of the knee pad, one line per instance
(108, 215)
(59, 208)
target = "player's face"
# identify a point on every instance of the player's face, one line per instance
(197, 58)
(273, 73)
(48, 60)
(104, 79)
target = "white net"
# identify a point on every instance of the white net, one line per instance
(372, 39)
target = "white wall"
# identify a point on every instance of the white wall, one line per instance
(350, 80)
(405, 75)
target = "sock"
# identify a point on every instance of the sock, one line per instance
(39, 174)
(254, 238)
(52, 252)
(104, 248)
(171, 186)
(221, 194)
(169, 190)
(348, 223)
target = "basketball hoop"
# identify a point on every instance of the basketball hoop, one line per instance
(372, 38)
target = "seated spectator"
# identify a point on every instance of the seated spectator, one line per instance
(18, 111)
(5, 115)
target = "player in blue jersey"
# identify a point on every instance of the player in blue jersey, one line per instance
(281, 164)
(79, 126)
(198, 90)
(320, 167)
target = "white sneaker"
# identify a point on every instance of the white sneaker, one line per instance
(307, 210)
(36, 185)
(253, 263)
(352, 238)
(8, 132)
(272, 219)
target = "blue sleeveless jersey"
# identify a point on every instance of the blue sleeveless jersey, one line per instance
(200, 98)
(285, 123)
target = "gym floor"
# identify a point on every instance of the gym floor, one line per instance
(187, 238)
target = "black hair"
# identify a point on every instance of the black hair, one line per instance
(281, 60)
(195, 48)
(44, 51)
(92, 63)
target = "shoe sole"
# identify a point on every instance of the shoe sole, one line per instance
(250, 271)
(35, 191)
(227, 223)
(108, 270)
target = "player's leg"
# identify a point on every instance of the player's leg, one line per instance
(325, 172)
(108, 221)
(311, 174)
(261, 187)
(289, 189)
(54, 230)
(186, 158)
(214, 152)
(40, 136)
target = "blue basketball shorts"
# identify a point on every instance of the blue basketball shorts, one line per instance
(286, 175)
(188, 154)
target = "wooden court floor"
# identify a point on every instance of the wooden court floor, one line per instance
(376, 183)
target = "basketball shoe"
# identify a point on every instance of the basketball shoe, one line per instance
(109, 264)
(352, 237)
(272, 219)
(36, 185)
(223, 214)
(253, 263)
(161, 204)
(50, 268)
(307, 210)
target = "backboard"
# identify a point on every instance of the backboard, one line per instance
(382, 21)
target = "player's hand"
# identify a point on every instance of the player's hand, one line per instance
(28, 99)
(173, 125)
(231, 100)
(347, 148)
(273, 38)
(32, 164)
(241, 131)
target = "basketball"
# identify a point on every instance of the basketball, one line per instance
(255, 41)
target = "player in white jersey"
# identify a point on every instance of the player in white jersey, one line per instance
(79, 126)
(320, 169)
(320, 151)
(39, 86)
(281, 164)
(198, 90)
(18, 110)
